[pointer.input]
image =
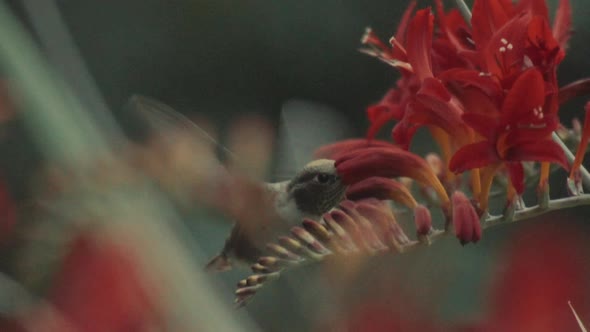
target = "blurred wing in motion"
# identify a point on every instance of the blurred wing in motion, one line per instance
(304, 127)
(177, 153)
(183, 160)
(162, 119)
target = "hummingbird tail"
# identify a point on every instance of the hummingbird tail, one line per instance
(219, 263)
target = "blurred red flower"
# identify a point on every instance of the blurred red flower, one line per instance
(96, 289)
(544, 267)
(99, 289)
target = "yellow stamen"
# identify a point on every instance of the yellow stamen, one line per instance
(544, 177)
(476, 182)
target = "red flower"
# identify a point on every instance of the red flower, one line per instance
(335, 150)
(99, 289)
(504, 39)
(543, 269)
(393, 104)
(519, 131)
(381, 188)
(388, 162)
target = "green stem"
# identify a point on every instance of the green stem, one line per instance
(465, 11)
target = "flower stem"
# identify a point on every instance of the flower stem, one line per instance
(465, 11)
(533, 211)
(570, 157)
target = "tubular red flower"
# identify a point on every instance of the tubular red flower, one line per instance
(434, 106)
(381, 188)
(419, 43)
(334, 150)
(465, 219)
(562, 26)
(390, 162)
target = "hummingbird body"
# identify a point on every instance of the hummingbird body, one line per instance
(309, 194)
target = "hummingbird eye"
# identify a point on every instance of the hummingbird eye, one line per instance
(323, 178)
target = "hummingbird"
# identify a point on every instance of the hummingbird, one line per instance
(312, 191)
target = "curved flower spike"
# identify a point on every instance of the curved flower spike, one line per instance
(389, 162)
(465, 219)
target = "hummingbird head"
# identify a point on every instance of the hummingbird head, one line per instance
(316, 188)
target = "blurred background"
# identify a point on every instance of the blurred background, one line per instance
(268, 73)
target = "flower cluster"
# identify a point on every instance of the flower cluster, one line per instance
(485, 88)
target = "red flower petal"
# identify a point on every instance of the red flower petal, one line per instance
(379, 116)
(419, 43)
(389, 103)
(562, 25)
(484, 124)
(433, 106)
(332, 151)
(535, 7)
(524, 135)
(403, 132)
(400, 34)
(488, 17)
(474, 155)
(381, 188)
(387, 162)
(500, 59)
(545, 51)
(526, 95)
(545, 150)
(470, 77)
(516, 172)
(454, 26)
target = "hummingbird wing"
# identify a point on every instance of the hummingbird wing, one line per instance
(162, 119)
(183, 153)
(304, 127)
